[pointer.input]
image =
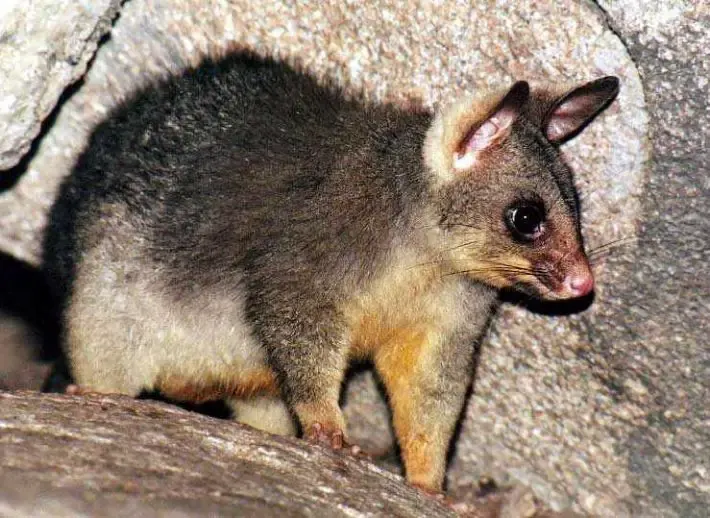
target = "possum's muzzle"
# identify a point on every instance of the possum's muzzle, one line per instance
(568, 277)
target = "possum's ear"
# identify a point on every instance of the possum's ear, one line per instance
(494, 128)
(460, 134)
(571, 112)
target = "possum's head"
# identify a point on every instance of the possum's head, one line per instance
(508, 207)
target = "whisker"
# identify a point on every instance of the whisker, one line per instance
(426, 263)
(601, 256)
(600, 253)
(514, 269)
(502, 268)
(448, 225)
(491, 265)
(534, 269)
(488, 270)
(621, 240)
(611, 245)
(463, 245)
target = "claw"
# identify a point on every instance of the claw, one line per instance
(335, 438)
(439, 496)
(74, 390)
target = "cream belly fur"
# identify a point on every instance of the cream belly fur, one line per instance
(125, 333)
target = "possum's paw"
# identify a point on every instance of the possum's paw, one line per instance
(75, 390)
(325, 435)
(334, 438)
(462, 509)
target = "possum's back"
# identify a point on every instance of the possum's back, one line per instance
(227, 155)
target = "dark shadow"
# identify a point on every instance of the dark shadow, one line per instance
(217, 409)
(549, 308)
(24, 294)
(10, 177)
(355, 368)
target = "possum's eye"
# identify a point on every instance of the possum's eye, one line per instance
(525, 221)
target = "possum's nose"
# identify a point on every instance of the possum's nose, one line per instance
(567, 276)
(579, 281)
(579, 285)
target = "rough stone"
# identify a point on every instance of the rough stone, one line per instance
(656, 332)
(44, 47)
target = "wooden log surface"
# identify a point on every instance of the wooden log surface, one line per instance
(112, 456)
(96, 455)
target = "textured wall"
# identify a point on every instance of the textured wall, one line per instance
(662, 342)
(43, 49)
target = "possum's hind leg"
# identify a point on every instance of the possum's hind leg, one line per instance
(107, 343)
(104, 345)
(267, 413)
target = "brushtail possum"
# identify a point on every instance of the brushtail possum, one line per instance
(242, 232)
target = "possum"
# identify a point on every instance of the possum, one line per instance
(243, 232)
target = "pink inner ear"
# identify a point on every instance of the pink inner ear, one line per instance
(559, 126)
(486, 134)
(571, 106)
(569, 116)
(483, 136)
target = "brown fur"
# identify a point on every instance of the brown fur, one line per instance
(202, 388)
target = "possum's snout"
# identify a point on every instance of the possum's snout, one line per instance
(565, 278)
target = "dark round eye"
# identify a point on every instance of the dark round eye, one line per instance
(525, 221)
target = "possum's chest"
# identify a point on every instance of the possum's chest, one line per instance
(407, 312)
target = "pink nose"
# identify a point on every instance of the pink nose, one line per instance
(579, 283)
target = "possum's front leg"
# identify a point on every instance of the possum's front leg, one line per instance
(311, 364)
(426, 396)
(426, 374)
